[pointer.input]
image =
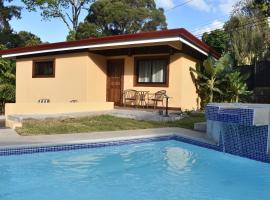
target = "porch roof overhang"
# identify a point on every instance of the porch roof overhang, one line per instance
(164, 37)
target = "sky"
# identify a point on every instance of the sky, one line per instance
(197, 16)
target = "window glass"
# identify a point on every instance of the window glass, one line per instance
(158, 71)
(144, 71)
(152, 71)
(43, 69)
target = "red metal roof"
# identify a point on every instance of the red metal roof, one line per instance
(181, 32)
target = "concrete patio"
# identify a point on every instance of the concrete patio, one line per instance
(132, 113)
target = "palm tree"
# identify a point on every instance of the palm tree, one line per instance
(236, 86)
(208, 77)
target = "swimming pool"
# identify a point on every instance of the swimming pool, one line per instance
(154, 170)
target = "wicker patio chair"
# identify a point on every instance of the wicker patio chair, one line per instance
(156, 98)
(130, 97)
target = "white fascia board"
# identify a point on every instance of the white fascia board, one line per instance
(111, 44)
(192, 46)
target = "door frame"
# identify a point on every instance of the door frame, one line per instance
(121, 80)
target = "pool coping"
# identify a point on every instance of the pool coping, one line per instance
(111, 138)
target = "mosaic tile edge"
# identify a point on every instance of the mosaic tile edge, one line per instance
(68, 147)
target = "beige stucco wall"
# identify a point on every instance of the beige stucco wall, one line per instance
(50, 108)
(96, 78)
(70, 81)
(79, 76)
(181, 87)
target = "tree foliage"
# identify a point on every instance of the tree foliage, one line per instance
(20, 39)
(114, 17)
(8, 37)
(7, 82)
(263, 5)
(217, 39)
(208, 75)
(69, 11)
(85, 30)
(28, 39)
(248, 31)
(7, 13)
(236, 86)
(217, 80)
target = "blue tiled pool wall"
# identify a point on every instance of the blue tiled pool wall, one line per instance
(246, 141)
(234, 130)
(230, 115)
(67, 147)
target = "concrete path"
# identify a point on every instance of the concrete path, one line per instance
(9, 138)
(138, 114)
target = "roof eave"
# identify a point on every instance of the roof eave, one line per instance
(111, 44)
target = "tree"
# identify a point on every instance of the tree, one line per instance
(114, 17)
(236, 86)
(208, 76)
(8, 37)
(68, 11)
(248, 31)
(217, 39)
(217, 80)
(263, 5)
(28, 39)
(85, 30)
(6, 14)
(7, 82)
(21, 39)
(201, 90)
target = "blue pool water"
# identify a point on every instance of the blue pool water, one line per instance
(164, 170)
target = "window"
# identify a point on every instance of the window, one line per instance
(152, 71)
(43, 69)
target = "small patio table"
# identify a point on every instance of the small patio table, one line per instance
(142, 96)
(167, 105)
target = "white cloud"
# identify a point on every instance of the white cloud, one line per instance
(167, 4)
(223, 6)
(216, 24)
(200, 5)
(226, 6)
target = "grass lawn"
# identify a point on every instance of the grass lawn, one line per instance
(100, 123)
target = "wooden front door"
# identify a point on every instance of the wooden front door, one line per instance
(115, 73)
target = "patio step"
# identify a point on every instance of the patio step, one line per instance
(200, 126)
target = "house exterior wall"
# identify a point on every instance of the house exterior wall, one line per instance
(180, 88)
(82, 77)
(78, 76)
(96, 78)
(70, 81)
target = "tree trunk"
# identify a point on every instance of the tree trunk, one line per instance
(210, 96)
(236, 99)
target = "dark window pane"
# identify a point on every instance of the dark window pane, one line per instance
(44, 68)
